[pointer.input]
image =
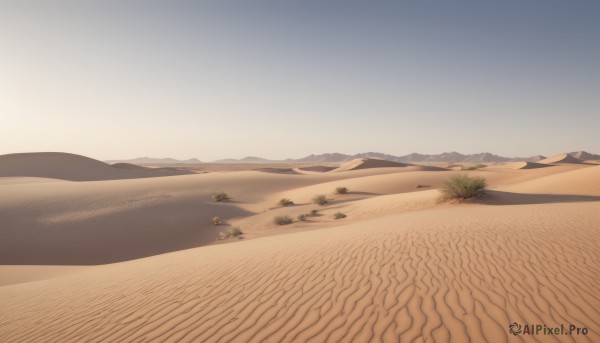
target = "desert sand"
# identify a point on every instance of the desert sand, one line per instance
(101, 253)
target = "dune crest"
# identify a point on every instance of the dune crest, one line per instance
(521, 165)
(364, 163)
(561, 158)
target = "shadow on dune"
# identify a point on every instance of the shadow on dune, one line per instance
(125, 234)
(509, 198)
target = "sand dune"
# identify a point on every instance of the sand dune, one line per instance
(400, 266)
(58, 165)
(363, 163)
(584, 181)
(521, 165)
(416, 276)
(561, 158)
(64, 222)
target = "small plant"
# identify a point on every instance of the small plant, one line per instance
(313, 213)
(282, 220)
(217, 221)
(341, 190)
(320, 199)
(232, 232)
(285, 202)
(423, 186)
(235, 231)
(302, 217)
(220, 196)
(339, 215)
(463, 187)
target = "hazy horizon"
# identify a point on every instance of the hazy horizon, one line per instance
(228, 79)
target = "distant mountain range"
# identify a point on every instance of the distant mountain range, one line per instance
(151, 160)
(447, 157)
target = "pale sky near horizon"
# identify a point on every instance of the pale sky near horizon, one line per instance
(279, 79)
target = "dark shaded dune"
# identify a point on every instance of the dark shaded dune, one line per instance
(318, 169)
(277, 170)
(71, 167)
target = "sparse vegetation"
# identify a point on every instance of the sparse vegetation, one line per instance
(285, 202)
(423, 186)
(234, 231)
(217, 221)
(341, 190)
(282, 220)
(477, 166)
(339, 215)
(320, 199)
(220, 196)
(463, 187)
(302, 217)
(313, 213)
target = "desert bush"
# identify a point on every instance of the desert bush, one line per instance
(220, 196)
(313, 213)
(285, 202)
(341, 190)
(339, 215)
(217, 221)
(423, 186)
(235, 231)
(302, 217)
(463, 187)
(320, 199)
(282, 220)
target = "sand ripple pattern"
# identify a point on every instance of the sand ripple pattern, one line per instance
(432, 276)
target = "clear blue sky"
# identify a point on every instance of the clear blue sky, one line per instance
(217, 79)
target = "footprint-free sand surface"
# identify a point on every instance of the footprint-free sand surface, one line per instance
(135, 260)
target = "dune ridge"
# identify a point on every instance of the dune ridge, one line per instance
(521, 165)
(561, 158)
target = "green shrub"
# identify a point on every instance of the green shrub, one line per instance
(235, 231)
(302, 217)
(285, 202)
(220, 196)
(339, 215)
(463, 187)
(320, 199)
(282, 220)
(341, 190)
(217, 221)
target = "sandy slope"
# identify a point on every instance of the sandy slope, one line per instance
(401, 266)
(454, 274)
(62, 222)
